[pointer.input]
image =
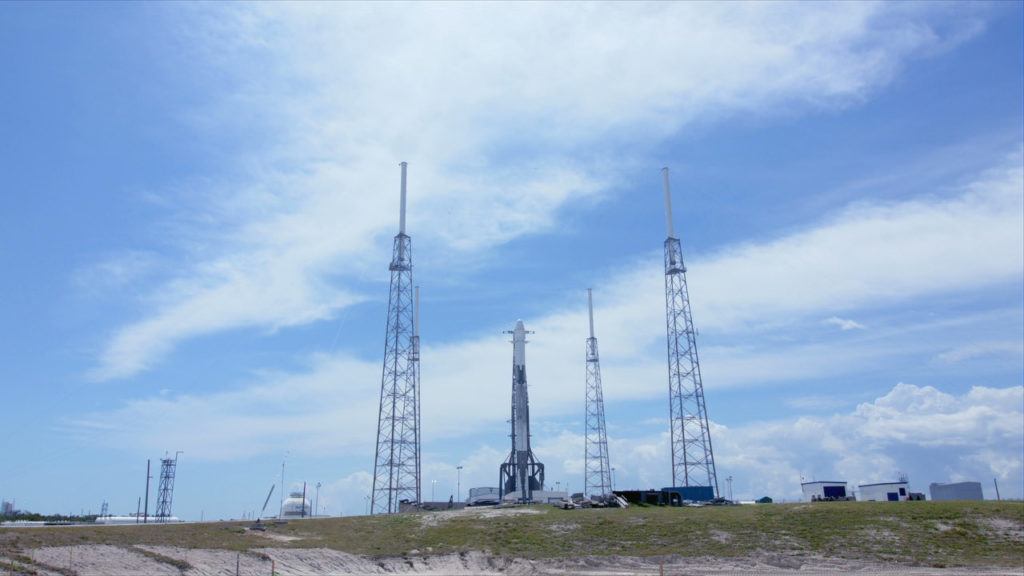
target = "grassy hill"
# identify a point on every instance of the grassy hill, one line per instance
(938, 534)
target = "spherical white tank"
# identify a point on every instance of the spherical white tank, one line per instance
(295, 506)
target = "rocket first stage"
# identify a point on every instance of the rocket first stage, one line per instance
(521, 474)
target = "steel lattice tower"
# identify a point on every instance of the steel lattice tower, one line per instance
(396, 476)
(598, 480)
(168, 466)
(693, 461)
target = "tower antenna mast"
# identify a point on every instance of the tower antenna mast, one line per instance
(598, 481)
(693, 461)
(396, 474)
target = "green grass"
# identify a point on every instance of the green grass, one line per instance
(913, 533)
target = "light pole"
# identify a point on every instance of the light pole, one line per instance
(459, 489)
(316, 503)
(283, 460)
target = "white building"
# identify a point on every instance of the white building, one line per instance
(955, 491)
(827, 490)
(885, 491)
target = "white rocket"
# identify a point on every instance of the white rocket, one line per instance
(521, 473)
(520, 394)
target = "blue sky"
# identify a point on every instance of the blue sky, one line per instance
(199, 203)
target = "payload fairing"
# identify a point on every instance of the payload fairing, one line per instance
(521, 473)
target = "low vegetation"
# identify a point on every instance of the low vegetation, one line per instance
(940, 534)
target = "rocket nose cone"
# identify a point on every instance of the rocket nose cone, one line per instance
(519, 325)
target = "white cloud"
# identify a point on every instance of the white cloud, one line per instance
(872, 255)
(975, 350)
(465, 382)
(491, 104)
(844, 324)
(267, 294)
(931, 435)
(330, 408)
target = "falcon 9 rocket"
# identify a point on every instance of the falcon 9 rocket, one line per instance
(521, 473)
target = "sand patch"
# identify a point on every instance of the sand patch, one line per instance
(104, 560)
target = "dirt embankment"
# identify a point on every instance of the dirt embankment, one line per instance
(107, 560)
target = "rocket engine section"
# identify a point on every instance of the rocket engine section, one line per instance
(521, 473)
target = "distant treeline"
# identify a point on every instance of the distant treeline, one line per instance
(21, 516)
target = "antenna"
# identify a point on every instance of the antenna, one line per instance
(668, 204)
(401, 221)
(590, 308)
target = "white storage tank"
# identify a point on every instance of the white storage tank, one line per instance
(296, 506)
(885, 492)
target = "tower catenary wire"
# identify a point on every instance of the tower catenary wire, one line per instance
(396, 476)
(597, 481)
(693, 461)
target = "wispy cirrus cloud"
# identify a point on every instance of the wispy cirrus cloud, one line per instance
(975, 350)
(874, 253)
(461, 376)
(317, 102)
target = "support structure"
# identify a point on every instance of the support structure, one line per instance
(165, 493)
(521, 473)
(693, 461)
(598, 478)
(415, 359)
(396, 476)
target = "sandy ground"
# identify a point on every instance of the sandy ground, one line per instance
(105, 560)
(101, 560)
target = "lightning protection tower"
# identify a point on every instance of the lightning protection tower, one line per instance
(598, 474)
(168, 467)
(693, 462)
(396, 476)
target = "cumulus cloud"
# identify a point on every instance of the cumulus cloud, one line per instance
(932, 435)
